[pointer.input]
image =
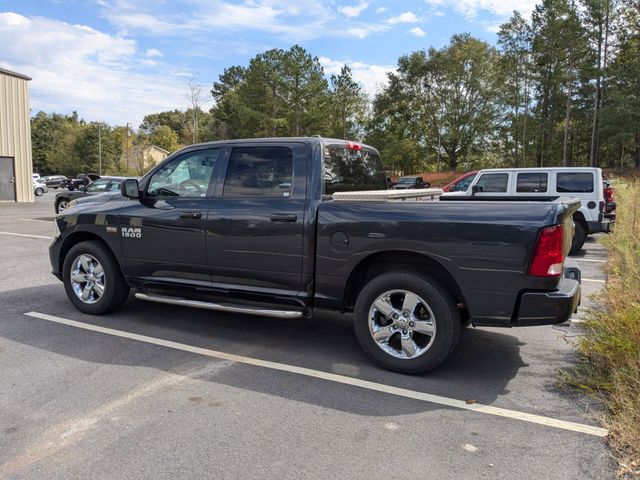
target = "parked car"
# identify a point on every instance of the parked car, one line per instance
(39, 188)
(411, 181)
(461, 183)
(35, 177)
(214, 227)
(82, 179)
(586, 184)
(54, 181)
(102, 185)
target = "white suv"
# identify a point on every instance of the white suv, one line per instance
(585, 184)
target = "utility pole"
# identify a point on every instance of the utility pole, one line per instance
(128, 149)
(99, 147)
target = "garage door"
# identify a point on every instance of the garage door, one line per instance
(7, 179)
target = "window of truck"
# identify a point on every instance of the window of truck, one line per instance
(574, 182)
(493, 182)
(259, 172)
(531, 182)
(349, 168)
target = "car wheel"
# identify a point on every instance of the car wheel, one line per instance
(39, 192)
(92, 279)
(579, 237)
(406, 322)
(62, 205)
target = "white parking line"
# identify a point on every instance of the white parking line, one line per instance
(589, 260)
(35, 220)
(332, 377)
(25, 235)
(593, 280)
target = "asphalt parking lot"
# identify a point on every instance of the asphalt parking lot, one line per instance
(156, 391)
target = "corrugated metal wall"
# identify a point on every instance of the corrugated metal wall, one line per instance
(15, 132)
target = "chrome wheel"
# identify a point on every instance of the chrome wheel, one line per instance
(87, 278)
(62, 205)
(402, 324)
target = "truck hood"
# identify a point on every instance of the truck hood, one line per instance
(99, 199)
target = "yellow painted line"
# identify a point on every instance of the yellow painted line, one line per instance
(25, 235)
(332, 377)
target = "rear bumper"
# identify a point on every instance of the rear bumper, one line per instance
(549, 308)
(600, 227)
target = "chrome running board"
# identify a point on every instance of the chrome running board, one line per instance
(219, 307)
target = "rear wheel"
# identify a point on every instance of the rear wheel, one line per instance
(406, 322)
(92, 278)
(579, 237)
(39, 192)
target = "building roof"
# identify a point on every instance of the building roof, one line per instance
(158, 148)
(14, 74)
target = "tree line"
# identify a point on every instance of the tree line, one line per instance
(559, 88)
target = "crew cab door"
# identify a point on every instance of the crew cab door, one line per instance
(256, 225)
(163, 235)
(492, 183)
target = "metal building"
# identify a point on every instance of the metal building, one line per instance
(16, 167)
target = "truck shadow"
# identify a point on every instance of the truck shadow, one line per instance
(479, 370)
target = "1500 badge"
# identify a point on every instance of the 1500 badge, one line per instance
(131, 232)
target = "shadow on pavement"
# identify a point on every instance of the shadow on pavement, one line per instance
(480, 368)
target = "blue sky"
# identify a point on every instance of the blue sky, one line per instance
(117, 60)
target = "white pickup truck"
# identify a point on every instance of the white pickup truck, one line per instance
(586, 184)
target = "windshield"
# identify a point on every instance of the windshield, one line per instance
(350, 169)
(407, 180)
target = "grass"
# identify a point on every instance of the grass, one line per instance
(609, 351)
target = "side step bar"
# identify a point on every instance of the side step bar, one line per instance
(219, 307)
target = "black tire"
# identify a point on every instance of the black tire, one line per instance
(446, 318)
(39, 192)
(579, 237)
(64, 202)
(116, 289)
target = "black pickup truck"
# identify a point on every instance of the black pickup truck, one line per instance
(256, 227)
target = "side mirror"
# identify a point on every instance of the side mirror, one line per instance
(129, 188)
(475, 189)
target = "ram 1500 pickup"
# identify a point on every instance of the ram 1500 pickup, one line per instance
(255, 227)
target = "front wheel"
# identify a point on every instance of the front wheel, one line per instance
(39, 192)
(62, 205)
(92, 278)
(406, 322)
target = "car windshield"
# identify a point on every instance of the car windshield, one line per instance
(407, 180)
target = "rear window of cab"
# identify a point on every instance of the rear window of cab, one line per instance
(574, 182)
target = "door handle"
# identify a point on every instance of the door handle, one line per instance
(191, 215)
(283, 217)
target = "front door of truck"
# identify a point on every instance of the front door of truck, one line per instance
(163, 234)
(255, 229)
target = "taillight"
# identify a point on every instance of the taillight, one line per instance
(354, 146)
(548, 254)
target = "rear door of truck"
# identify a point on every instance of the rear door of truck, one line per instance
(255, 226)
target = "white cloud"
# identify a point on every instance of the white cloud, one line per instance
(470, 8)
(418, 32)
(75, 67)
(406, 17)
(199, 19)
(354, 10)
(372, 77)
(381, 9)
(153, 52)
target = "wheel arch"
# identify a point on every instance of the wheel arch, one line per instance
(398, 260)
(83, 236)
